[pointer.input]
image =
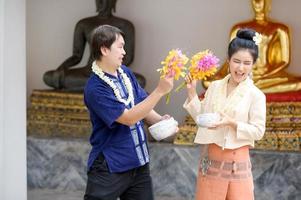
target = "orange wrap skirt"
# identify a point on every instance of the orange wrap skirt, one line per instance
(228, 176)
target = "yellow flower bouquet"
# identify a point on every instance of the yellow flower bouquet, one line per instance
(173, 66)
(202, 65)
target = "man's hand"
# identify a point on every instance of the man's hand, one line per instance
(165, 85)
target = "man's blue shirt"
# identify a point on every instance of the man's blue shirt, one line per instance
(123, 147)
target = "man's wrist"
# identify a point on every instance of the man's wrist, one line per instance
(159, 93)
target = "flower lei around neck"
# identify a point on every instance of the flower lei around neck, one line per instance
(98, 71)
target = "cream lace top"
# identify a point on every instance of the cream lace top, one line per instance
(246, 104)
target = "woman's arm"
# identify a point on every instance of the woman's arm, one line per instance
(193, 105)
(254, 129)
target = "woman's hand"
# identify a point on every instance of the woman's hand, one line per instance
(225, 121)
(191, 87)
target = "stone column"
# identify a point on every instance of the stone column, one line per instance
(13, 182)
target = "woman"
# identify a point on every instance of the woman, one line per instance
(225, 169)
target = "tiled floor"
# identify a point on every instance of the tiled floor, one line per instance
(45, 194)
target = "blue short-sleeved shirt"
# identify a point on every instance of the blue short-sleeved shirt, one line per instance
(123, 147)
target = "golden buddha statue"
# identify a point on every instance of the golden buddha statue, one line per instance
(274, 53)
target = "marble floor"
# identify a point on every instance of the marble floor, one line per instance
(56, 168)
(46, 194)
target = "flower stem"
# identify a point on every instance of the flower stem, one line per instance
(167, 98)
(180, 87)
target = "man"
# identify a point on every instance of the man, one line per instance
(118, 162)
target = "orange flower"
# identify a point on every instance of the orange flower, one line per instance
(203, 64)
(174, 64)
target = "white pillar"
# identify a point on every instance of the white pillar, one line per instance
(1, 99)
(13, 181)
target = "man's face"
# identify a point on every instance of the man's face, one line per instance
(116, 52)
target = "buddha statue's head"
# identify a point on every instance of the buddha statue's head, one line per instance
(105, 7)
(261, 8)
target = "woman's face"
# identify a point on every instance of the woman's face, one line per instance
(240, 65)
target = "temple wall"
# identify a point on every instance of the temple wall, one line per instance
(191, 25)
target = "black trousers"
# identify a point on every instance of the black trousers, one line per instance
(135, 184)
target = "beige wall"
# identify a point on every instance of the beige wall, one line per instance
(191, 25)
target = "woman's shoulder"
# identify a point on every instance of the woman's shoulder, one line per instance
(216, 83)
(256, 92)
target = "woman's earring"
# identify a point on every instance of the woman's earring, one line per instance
(228, 70)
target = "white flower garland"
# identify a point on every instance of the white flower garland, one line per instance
(257, 38)
(98, 71)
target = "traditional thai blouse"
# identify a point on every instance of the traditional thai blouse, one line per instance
(246, 104)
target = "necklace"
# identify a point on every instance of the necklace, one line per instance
(98, 71)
